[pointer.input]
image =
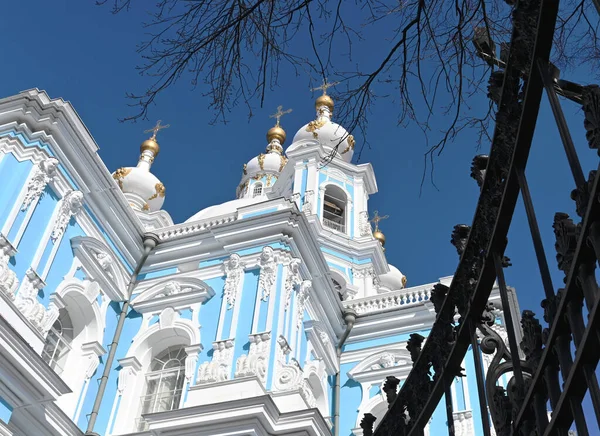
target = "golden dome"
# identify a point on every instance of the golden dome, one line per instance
(150, 145)
(276, 132)
(378, 234)
(324, 100)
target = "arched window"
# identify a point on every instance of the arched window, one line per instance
(257, 190)
(164, 382)
(334, 208)
(58, 342)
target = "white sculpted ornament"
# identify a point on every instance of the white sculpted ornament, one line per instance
(308, 199)
(29, 305)
(234, 271)
(8, 279)
(364, 225)
(70, 206)
(43, 173)
(303, 292)
(292, 280)
(219, 367)
(268, 272)
(255, 362)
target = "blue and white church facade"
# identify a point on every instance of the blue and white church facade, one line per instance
(275, 313)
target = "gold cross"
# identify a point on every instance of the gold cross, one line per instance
(156, 129)
(376, 219)
(325, 86)
(280, 112)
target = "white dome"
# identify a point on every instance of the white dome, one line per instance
(393, 280)
(265, 163)
(329, 135)
(142, 188)
(226, 208)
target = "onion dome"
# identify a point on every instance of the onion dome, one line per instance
(143, 190)
(265, 168)
(330, 135)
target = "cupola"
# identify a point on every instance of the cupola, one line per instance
(143, 190)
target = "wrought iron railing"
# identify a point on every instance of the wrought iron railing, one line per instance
(546, 375)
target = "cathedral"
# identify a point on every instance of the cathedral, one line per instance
(273, 313)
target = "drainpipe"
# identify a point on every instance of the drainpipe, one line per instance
(150, 241)
(349, 317)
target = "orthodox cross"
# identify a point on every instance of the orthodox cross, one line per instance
(156, 129)
(280, 112)
(325, 86)
(376, 219)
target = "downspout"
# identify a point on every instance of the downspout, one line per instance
(150, 241)
(349, 317)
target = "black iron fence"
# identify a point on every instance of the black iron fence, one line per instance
(551, 369)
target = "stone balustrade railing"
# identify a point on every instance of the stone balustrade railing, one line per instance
(389, 300)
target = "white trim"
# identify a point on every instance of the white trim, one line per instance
(43, 243)
(14, 212)
(237, 307)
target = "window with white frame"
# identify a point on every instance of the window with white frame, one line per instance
(334, 208)
(58, 342)
(164, 383)
(258, 188)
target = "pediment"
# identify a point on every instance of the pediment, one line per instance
(101, 265)
(377, 366)
(176, 292)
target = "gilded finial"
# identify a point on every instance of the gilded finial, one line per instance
(158, 127)
(325, 86)
(280, 112)
(377, 218)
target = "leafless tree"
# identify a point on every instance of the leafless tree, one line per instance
(235, 50)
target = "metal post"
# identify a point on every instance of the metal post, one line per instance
(561, 123)
(485, 418)
(449, 410)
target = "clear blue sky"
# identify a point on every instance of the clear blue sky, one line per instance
(82, 53)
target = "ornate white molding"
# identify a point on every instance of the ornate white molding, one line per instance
(91, 353)
(130, 366)
(303, 293)
(268, 273)
(191, 360)
(70, 205)
(256, 362)
(177, 292)
(364, 226)
(288, 376)
(322, 344)
(463, 423)
(219, 368)
(292, 280)
(27, 300)
(234, 271)
(8, 279)
(43, 173)
(307, 206)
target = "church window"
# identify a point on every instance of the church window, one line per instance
(164, 383)
(258, 188)
(58, 342)
(334, 208)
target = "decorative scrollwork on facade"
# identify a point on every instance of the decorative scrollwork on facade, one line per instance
(70, 205)
(120, 174)
(268, 273)
(288, 375)
(364, 225)
(315, 125)
(43, 173)
(255, 363)
(234, 271)
(27, 301)
(302, 298)
(292, 280)
(463, 423)
(219, 368)
(159, 191)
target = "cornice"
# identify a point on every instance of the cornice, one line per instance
(310, 150)
(53, 121)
